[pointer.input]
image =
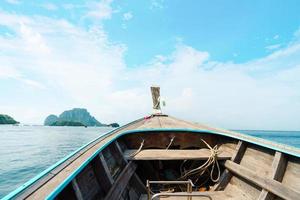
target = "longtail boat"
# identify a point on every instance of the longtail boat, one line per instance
(162, 157)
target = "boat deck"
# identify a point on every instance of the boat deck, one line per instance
(173, 154)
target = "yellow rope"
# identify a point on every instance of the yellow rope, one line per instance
(212, 160)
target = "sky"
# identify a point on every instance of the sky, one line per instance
(231, 64)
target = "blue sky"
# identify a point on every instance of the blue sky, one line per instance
(231, 64)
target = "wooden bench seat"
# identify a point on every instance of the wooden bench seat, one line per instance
(173, 154)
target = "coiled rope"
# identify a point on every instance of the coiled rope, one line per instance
(211, 161)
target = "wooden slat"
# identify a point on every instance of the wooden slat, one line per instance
(77, 191)
(278, 169)
(102, 173)
(117, 154)
(270, 185)
(106, 170)
(236, 157)
(172, 154)
(86, 185)
(137, 179)
(121, 182)
(279, 166)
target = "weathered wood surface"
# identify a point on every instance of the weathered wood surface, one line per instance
(278, 169)
(86, 185)
(160, 140)
(105, 169)
(77, 190)
(242, 188)
(139, 184)
(172, 154)
(121, 182)
(236, 157)
(102, 173)
(270, 185)
(291, 176)
(258, 159)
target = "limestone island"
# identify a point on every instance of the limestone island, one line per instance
(75, 117)
(6, 119)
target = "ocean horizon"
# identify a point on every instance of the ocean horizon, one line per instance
(25, 151)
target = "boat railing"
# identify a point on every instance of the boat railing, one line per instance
(180, 194)
(189, 190)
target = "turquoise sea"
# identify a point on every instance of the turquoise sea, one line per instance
(25, 151)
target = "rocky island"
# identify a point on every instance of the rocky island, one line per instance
(6, 119)
(75, 117)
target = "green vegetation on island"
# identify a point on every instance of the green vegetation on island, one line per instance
(50, 120)
(75, 116)
(5, 119)
(66, 123)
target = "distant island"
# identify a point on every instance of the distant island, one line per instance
(6, 119)
(67, 123)
(75, 117)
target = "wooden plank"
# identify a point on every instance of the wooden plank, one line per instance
(139, 183)
(121, 182)
(77, 191)
(279, 166)
(86, 182)
(106, 170)
(270, 185)
(265, 195)
(118, 153)
(278, 169)
(240, 150)
(236, 157)
(101, 172)
(173, 154)
(291, 176)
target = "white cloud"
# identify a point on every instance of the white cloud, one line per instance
(273, 47)
(124, 26)
(82, 68)
(13, 1)
(8, 72)
(276, 37)
(156, 4)
(127, 16)
(100, 10)
(49, 6)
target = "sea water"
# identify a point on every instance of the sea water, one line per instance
(26, 151)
